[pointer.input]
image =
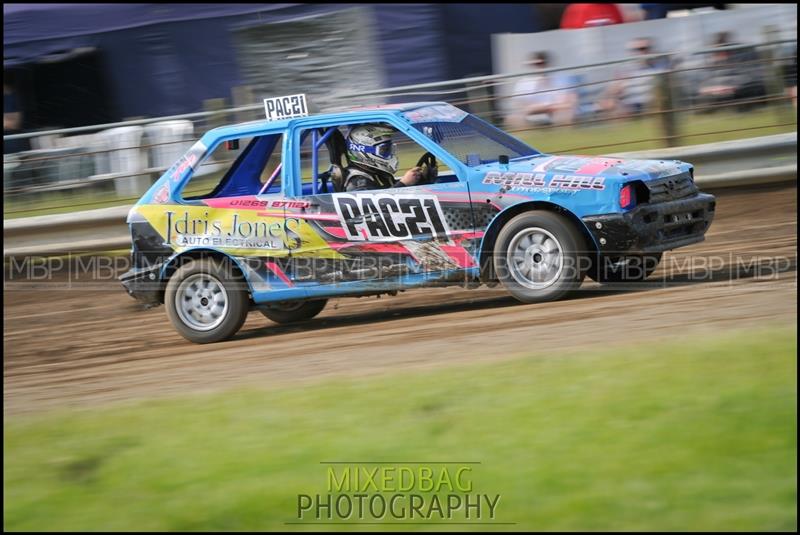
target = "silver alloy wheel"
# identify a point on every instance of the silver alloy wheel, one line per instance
(535, 258)
(201, 302)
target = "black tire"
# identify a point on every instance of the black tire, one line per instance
(292, 311)
(628, 268)
(534, 236)
(187, 313)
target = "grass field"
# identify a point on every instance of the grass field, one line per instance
(645, 133)
(597, 138)
(697, 434)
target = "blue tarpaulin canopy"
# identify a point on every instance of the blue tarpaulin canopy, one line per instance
(156, 59)
(31, 31)
(164, 59)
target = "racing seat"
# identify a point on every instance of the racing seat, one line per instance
(338, 153)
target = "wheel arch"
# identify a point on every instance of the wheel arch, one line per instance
(171, 265)
(492, 231)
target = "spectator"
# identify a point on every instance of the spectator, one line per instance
(732, 75)
(634, 89)
(542, 98)
(789, 72)
(589, 15)
(12, 121)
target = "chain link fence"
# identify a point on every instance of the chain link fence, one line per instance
(648, 101)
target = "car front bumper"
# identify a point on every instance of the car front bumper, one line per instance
(653, 228)
(144, 284)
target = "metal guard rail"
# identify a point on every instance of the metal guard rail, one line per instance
(753, 161)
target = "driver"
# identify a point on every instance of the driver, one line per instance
(373, 160)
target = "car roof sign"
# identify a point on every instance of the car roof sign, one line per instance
(287, 107)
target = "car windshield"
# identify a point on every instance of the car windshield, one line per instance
(475, 142)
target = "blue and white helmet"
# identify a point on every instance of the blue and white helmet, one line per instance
(371, 146)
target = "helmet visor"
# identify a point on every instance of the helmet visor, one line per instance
(385, 150)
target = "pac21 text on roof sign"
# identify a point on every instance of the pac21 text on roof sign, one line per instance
(287, 107)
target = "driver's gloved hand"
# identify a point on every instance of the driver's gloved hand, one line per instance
(412, 177)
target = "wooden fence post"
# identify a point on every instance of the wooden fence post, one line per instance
(666, 105)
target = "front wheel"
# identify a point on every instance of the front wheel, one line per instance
(538, 257)
(205, 301)
(292, 311)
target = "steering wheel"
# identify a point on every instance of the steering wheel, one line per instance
(430, 169)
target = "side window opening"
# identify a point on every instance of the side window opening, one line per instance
(326, 172)
(409, 152)
(252, 170)
(315, 168)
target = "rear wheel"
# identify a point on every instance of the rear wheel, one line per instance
(205, 301)
(291, 311)
(627, 268)
(538, 257)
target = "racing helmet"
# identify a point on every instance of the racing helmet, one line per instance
(371, 146)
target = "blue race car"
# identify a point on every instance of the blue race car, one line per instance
(262, 215)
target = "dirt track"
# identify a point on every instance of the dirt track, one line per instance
(76, 347)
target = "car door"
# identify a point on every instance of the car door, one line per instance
(407, 235)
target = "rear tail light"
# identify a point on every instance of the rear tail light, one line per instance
(627, 196)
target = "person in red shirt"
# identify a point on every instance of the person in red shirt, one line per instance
(588, 15)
